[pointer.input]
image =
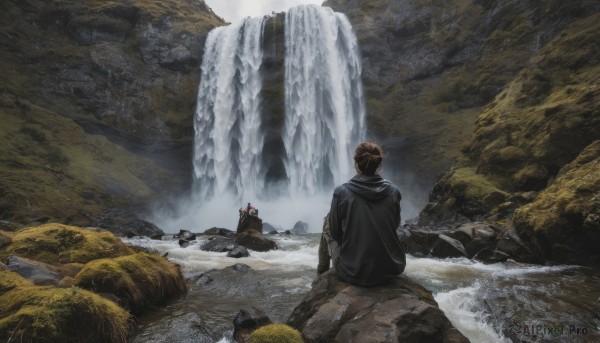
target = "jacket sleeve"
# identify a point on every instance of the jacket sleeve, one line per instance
(399, 211)
(335, 223)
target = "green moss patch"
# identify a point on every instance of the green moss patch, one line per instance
(45, 314)
(276, 333)
(140, 280)
(57, 243)
(466, 183)
(563, 222)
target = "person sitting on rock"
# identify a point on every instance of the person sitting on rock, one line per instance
(359, 232)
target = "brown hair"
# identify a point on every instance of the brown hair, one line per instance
(368, 157)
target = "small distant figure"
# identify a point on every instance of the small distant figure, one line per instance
(359, 233)
(249, 220)
(249, 210)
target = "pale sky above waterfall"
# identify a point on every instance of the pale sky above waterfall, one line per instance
(236, 10)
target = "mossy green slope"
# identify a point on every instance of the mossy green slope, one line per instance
(96, 101)
(526, 139)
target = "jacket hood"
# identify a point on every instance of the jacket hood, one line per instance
(369, 187)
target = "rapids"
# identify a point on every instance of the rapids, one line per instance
(485, 302)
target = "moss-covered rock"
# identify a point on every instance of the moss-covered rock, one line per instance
(34, 314)
(563, 222)
(140, 280)
(276, 333)
(57, 243)
(538, 124)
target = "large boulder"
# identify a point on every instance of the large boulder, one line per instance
(248, 222)
(219, 244)
(238, 252)
(448, 247)
(255, 242)
(126, 223)
(400, 311)
(300, 228)
(185, 235)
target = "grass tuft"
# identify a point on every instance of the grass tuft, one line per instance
(140, 280)
(46, 314)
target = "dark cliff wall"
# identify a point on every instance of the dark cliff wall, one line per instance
(96, 99)
(504, 91)
(429, 67)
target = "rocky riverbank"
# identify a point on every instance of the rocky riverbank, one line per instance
(64, 283)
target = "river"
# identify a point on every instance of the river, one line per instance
(488, 303)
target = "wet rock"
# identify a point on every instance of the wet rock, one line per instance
(183, 243)
(410, 246)
(400, 311)
(248, 320)
(475, 236)
(37, 272)
(248, 222)
(217, 231)
(488, 255)
(219, 244)
(238, 251)
(125, 223)
(448, 247)
(270, 229)
(300, 228)
(185, 235)
(510, 243)
(240, 267)
(255, 242)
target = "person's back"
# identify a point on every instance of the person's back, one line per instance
(364, 216)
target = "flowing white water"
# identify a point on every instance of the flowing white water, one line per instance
(324, 120)
(228, 139)
(485, 302)
(325, 112)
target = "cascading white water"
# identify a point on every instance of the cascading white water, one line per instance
(228, 139)
(324, 106)
(324, 120)
(325, 112)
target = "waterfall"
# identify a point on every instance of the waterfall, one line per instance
(324, 109)
(228, 140)
(325, 112)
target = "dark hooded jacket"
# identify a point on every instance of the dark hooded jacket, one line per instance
(364, 216)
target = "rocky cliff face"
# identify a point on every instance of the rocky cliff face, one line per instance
(533, 151)
(97, 99)
(430, 67)
(521, 75)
